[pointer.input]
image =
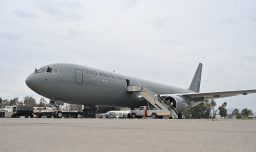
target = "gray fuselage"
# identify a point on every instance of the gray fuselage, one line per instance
(87, 86)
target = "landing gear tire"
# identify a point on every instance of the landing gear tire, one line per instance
(59, 114)
(179, 115)
(153, 116)
(133, 115)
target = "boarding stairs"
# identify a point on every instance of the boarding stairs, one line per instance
(152, 98)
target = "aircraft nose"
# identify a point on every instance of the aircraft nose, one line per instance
(29, 81)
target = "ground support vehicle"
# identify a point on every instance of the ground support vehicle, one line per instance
(49, 112)
(2, 113)
(18, 110)
(153, 113)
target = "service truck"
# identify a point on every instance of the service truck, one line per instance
(49, 112)
(153, 112)
(18, 110)
(115, 114)
(2, 113)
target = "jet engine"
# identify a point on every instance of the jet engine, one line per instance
(178, 102)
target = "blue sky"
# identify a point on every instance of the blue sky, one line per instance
(160, 40)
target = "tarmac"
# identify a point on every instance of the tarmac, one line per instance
(125, 135)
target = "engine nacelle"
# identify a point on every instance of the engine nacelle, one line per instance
(178, 102)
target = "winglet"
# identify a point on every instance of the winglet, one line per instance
(195, 84)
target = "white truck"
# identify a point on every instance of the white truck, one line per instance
(116, 114)
(49, 112)
(153, 113)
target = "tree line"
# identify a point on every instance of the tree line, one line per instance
(206, 110)
(30, 101)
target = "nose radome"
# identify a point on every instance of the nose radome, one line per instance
(29, 81)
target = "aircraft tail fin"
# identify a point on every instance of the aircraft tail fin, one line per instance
(196, 82)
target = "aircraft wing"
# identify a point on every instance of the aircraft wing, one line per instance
(215, 95)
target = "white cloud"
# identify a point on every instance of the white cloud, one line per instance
(24, 14)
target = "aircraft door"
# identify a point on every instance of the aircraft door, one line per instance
(79, 76)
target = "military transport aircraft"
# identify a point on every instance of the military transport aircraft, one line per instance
(78, 84)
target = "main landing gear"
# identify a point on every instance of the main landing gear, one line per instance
(90, 111)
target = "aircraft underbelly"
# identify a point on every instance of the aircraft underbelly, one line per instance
(97, 95)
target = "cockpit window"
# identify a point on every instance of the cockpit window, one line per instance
(48, 70)
(41, 70)
(54, 71)
(51, 70)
